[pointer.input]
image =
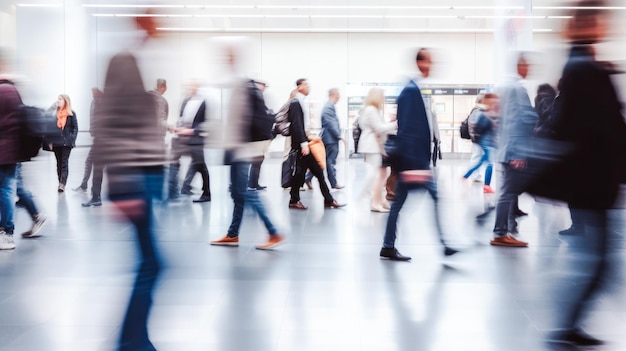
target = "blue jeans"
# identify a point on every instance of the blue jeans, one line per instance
(139, 183)
(7, 189)
(239, 172)
(332, 150)
(25, 198)
(486, 158)
(402, 190)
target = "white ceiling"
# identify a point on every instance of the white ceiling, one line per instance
(335, 15)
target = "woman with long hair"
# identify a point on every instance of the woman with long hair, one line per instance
(65, 140)
(374, 131)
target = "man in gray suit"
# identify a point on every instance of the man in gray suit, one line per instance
(331, 136)
(518, 120)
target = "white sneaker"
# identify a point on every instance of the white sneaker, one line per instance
(39, 221)
(6, 241)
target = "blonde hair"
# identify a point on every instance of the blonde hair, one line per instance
(68, 104)
(375, 97)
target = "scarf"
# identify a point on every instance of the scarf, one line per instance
(62, 118)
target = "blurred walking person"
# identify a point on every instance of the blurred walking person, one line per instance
(246, 129)
(130, 145)
(516, 131)
(10, 155)
(483, 130)
(415, 137)
(25, 199)
(190, 132)
(95, 93)
(331, 136)
(374, 131)
(591, 122)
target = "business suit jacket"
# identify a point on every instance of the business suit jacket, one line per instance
(414, 134)
(296, 128)
(198, 120)
(330, 124)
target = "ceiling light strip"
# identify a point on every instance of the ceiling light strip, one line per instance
(336, 30)
(260, 16)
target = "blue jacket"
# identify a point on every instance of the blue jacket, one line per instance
(330, 124)
(413, 129)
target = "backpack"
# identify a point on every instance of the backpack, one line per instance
(281, 121)
(464, 129)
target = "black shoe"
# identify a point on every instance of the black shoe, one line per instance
(392, 254)
(186, 191)
(92, 202)
(448, 251)
(203, 198)
(520, 213)
(260, 187)
(570, 231)
(575, 337)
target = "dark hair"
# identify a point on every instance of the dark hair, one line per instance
(546, 88)
(420, 54)
(490, 96)
(585, 15)
(300, 81)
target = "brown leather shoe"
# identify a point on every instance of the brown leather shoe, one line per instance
(508, 240)
(309, 185)
(297, 206)
(333, 204)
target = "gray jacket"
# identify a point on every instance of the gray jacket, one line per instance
(517, 122)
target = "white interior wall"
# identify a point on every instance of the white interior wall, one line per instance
(69, 51)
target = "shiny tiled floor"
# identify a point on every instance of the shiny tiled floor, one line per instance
(324, 290)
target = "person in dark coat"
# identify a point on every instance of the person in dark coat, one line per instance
(590, 122)
(63, 143)
(305, 160)
(10, 156)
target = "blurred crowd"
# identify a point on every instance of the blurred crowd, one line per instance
(568, 146)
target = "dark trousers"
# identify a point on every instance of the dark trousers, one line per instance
(87, 171)
(513, 182)
(139, 183)
(96, 185)
(302, 164)
(198, 165)
(62, 154)
(591, 251)
(402, 191)
(255, 172)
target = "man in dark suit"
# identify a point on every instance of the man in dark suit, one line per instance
(192, 117)
(415, 137)
(300, 143)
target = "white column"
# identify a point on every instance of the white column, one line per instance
(511, 35)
